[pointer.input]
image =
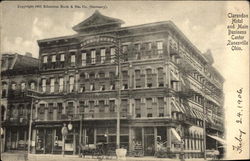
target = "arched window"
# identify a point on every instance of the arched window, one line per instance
(4, 89)
(101, 74)
(92, 75)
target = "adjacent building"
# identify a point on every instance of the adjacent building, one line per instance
(18, 73)
(167, 85)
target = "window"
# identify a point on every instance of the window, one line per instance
(138, 107)
(102, 88)
(93, 56)
(112, 55)
(101, 75)
(32, 86)
(149, 46)
(45, 59)
(125, 53)
(124, 48)
(91, 106)
(4, 91)
(125, 78)
(160, 47)
(137, 47)
(71, 84)
(82, 88)
(103, 52)
(62, 57)
(73, 59)
(138, 78)
(124, 105)
(161, 106)
(60, 84)
(112, 87)
(149, 115)
(82, 106)
(149, 78)
(92, 75)
(149, 107)
(112, 105)
(43, 85)
(92, 87)
(83, 59)
(52, 85)
(101, 106)
(23, 85)
(60, 108)
(53, 58)
(160, 77)
(70, 108)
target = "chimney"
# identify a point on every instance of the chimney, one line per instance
(28, 54)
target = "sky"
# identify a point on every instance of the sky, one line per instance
(204, 23)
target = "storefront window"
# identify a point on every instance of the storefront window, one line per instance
(90, 136)
(40, 140)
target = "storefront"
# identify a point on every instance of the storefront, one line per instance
(16, 138)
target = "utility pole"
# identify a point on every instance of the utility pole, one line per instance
(204, 123)
(30, 124)
(80, 135)
(119, 96)
(1, 130)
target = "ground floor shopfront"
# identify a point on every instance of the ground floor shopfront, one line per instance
(150, 135)
(15, 138)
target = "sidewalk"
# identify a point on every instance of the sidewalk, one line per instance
(50, 157)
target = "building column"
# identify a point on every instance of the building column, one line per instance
(167, 106)
(130, 136)
(17, 138)
(155, 138)
(169, 137)
(143, 138)
(130, 73)
(25, 136)
(44, 140)
(131, 103)
(74, 141)
(33, 141)
(95, 136)
(4, 139)
(85, 136)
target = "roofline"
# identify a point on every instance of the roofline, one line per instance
(169, 22)
(119, 29)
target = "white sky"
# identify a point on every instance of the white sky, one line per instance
(204, 23)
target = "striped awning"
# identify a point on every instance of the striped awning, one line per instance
(193, 113)
(222, 141)
(175, 134)
(198, 114)
(174, 76)
(176, 106)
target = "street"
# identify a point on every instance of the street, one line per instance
(48, 157)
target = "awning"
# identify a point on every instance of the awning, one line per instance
(183, 107)
(192, 113)
(209, 119)
(222, 141)
(175, 134)
(183, 82)
(198, 114)
(173, 76)
(177, 107)
(174, 107)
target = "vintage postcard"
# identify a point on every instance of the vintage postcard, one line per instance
(124, 80)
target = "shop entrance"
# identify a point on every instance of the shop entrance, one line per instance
(48, 141)
(149, 141)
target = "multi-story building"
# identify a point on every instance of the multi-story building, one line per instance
(167, 85)
(18, 73)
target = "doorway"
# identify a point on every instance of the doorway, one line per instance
(48, 141)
